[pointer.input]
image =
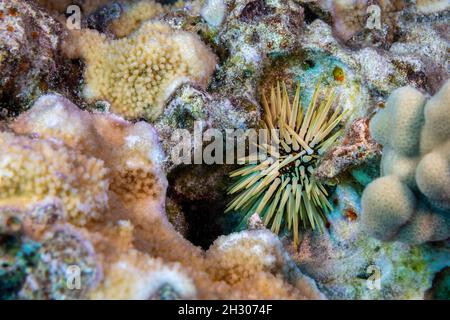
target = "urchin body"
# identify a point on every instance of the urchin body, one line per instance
(281, 187)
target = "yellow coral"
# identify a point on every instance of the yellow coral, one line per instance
(235, 258)
(136, 247)
(35, 169)
(139, 73)
(74, 144)
(139, 277)
(134, 15)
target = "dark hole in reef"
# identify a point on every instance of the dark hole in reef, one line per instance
(309, 64)
(440, 289)
(204, 215)
(309, 15)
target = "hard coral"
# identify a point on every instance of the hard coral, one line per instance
(78, 157)
(432, 6)
(32, 170)
(139, 73)
(131, 251)
(411, 202)
(134, 14)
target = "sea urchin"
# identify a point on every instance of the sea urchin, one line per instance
(281, 188)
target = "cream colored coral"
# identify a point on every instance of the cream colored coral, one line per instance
(134, 14)
(137, 276)
(411, 202)
(32, 170)
(137, 249)
(139, 73)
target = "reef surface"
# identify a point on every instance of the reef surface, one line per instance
(120, 129)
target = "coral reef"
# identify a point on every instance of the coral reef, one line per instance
(279, 184)
(140, 72)
(92, 201)
(131, 251)
(345, 260)
(411, 202)
(29, 63)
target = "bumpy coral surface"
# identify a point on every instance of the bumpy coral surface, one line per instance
(134, 15)
(411, 202)
(83, 199)
(130, 251)
(139, 73)
(34, 170)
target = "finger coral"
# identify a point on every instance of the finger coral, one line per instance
(282, 187)
(139, 73)
(411, 202)
(130, 251)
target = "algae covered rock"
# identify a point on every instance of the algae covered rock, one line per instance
(29, 59)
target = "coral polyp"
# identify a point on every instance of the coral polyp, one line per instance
(281, 187)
